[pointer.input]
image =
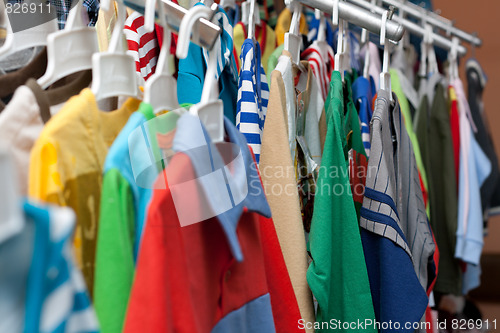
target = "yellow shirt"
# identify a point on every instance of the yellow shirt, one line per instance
(283, 25)
(66, 165)
(266, 38)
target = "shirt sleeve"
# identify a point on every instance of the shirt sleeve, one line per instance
(115, 252)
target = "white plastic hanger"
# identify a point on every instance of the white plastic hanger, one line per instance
(113, 72)
(21, 40)
(69, 50)
(320, 42)
(365, 41)
(11, 215)
(186, 27)
(340, 57)
(385, 76)
(210, 109)
(431, 54)
(160, 89)
(452, 59)
(293, 40)
(250, 16)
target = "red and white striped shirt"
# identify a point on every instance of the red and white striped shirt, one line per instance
(142, 46)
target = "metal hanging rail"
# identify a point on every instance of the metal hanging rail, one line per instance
(412, 27)
(204, 31)
(360, 17)
(435, 20)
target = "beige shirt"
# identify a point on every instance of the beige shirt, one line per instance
(278, 177)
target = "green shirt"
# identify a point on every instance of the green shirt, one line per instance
(405, 110)
(337, 274)
(122, 216)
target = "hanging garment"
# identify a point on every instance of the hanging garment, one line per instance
(283, 25)
(22, 121)
(174, 288)
(273, 60)
(396, 234)
(267, 12)
(66, 165)
(352, 132)
(142, 45)
(455, 129)
(264, 35)
(64, 6)
(253, 95)
(353, 50)
(443, 201)
(129, 175)
(474, 169)
(321, 64)
(408, 122)
(313, 25)
(191, 75)
(278, 177)
(42, 290)
(338, 272)
(490, 190)
(11, 81)
(375, 67)
(362, 93)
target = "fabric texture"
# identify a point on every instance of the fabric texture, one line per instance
(443, 200)
(283, 25)
(490, 189)
(474, 169)
(337, 274)
(321, 63)
(362, 96)
(253, 95)
(275, 158)
(66, 166)
(142, 45)
(56, 295)
(64, 6)
(163, 280)
(410, 129)
(126, 193)
(22, 121)
(264, 35)
(396, 234)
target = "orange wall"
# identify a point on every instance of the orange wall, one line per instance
(483, 17)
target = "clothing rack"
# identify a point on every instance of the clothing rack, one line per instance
(412, 27)
(204, 31)
(360, 17)
(435, 20)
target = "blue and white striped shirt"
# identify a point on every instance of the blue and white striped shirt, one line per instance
(253, 95)
(56, 294)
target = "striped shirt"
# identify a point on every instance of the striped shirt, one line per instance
(362, 96)
(56, 295)
(142, 46)
(321, 64)
(253, 95)
(225, 54)
(397, 238)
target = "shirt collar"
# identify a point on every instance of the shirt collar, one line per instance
(242, 178)
(361, 88)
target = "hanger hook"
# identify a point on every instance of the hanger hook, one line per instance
(186, 27)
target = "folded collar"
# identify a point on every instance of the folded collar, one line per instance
(228, 186)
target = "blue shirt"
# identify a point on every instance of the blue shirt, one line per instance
(253, 95)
